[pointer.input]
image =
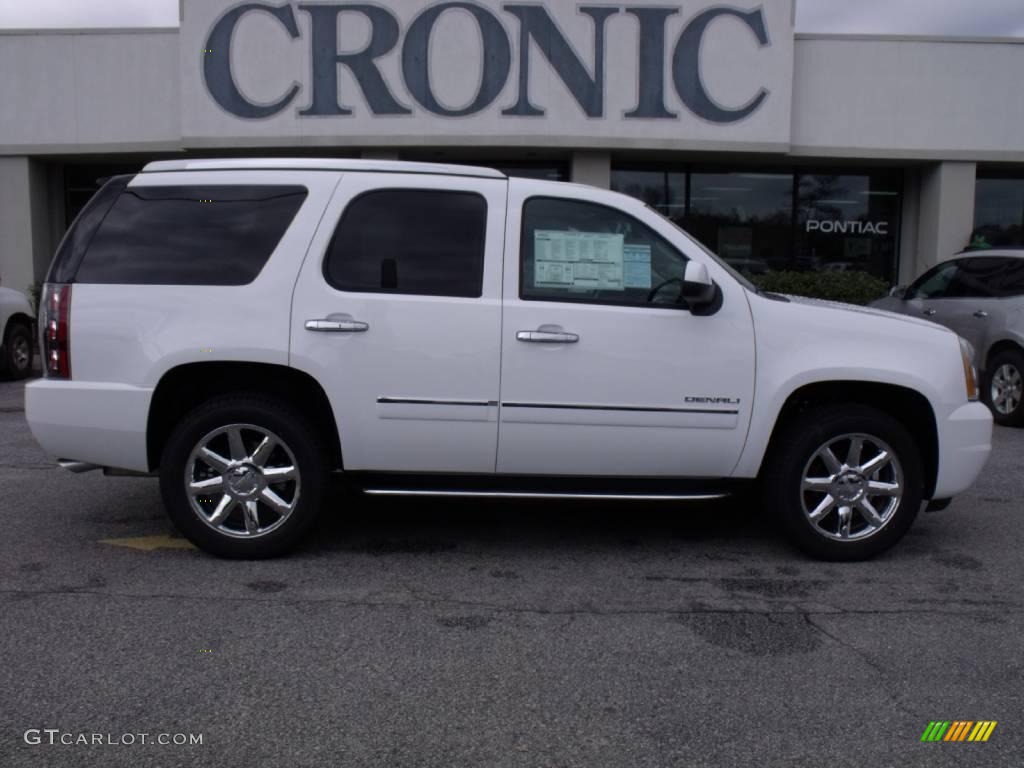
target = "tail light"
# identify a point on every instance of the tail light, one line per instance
(55, 309)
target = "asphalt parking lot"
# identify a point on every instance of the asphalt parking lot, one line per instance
(487, 634)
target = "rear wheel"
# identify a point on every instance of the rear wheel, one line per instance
(243, 477)
(845, 480)
(18, 351)
(1004, 388)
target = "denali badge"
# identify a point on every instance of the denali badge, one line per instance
(718, 400)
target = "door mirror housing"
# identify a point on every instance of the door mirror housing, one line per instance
(898, 292)
(699, 291)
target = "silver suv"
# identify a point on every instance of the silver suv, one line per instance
(980, 296)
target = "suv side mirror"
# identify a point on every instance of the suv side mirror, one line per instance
(699, 290)
(898, 292)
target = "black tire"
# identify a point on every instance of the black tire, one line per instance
(300, 445)
(1015, 361)
(17, 344)
(799, 443)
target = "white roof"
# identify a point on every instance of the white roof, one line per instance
(321, 164)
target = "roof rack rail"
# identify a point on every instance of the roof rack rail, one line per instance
(321, 164)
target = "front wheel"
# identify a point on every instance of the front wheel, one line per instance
(846, 481)
(1004, 388)
(243, 477)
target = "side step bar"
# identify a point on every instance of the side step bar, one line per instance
(546, 495)
(77, 467)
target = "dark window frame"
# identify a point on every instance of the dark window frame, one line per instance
(325, 271)
(681, 305)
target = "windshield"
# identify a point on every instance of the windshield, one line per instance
(745, 282)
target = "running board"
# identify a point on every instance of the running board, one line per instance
(546, 495)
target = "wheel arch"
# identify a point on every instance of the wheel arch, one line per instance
(1003, 345)
(906, 405)
(18, 317)
(186, 386)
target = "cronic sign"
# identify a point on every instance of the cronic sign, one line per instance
(669, 72)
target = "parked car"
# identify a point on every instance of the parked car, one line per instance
(243, 328)
(16, 334)
(980, 296)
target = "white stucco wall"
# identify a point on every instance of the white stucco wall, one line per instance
(908, 98)
(86, 91)
(898, 98)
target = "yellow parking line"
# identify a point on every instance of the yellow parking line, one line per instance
(150, 543)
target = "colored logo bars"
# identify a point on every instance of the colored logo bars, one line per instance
(958, 730)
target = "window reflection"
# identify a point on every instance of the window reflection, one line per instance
(763, 221)
(998, 212)
(746, 218)
(848, 222)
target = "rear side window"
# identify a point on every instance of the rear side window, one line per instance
(1011, 280)
(75, 243)
(190, 235)
(411, 241)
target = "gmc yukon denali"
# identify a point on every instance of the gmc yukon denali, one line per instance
(245, 328)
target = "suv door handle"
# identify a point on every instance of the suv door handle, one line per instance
(929, 312)
(337, 323)
(547, 337)
(981, 313)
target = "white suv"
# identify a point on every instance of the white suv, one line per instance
(244, 328)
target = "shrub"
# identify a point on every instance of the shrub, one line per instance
(34, 292)
(849, 287)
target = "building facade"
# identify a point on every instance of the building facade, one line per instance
(780, 151)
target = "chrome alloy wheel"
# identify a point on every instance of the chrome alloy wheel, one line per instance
(854, 497)
(1007, 389)
(21, 353)
(242, 480)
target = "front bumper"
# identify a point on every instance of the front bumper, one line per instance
(965, 442)
(92, 422)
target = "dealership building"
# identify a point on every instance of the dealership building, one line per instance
(779, 150)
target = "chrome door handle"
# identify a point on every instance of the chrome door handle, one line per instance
(929, 312)
(981, 313)
(337, 323)
(547, 337)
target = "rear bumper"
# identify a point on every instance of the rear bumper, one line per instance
(93, 422)
(965, 441)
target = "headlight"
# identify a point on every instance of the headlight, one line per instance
(970, 374)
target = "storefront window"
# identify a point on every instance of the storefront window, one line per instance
(848, 222)
(665, 191)
(746, 218)
(784, 221)
(998, 212)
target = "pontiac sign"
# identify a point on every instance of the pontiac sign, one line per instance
(519, 68)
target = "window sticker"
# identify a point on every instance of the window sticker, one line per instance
(636, 266)
(578, 260)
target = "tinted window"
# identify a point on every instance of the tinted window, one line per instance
(1011, 281)
(72, 248)
(210, 235)
(576, 251)
(976, 278)
(933, 283)
(415, 241)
